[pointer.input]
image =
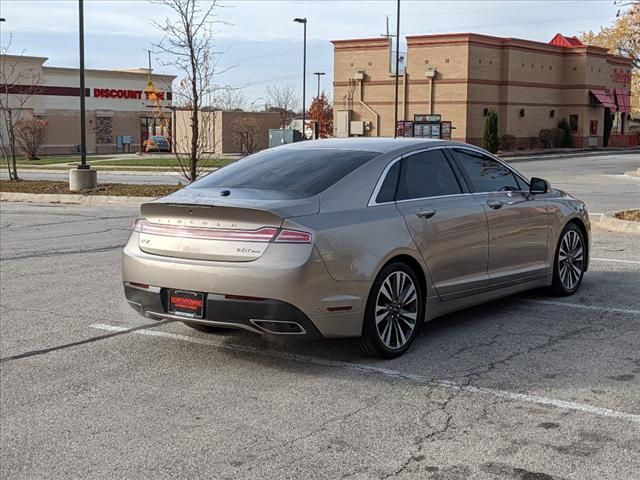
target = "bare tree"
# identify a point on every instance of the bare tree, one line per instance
(283, 100)
(17, 85)
(187, 45)
(30, 134)
(245, 134)
(229, 99)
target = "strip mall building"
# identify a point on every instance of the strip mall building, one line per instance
(531, 85)
(119, 104)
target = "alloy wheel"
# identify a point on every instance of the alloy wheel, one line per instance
(396, 310)
(571, 259)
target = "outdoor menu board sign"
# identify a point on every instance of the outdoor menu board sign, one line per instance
(404, 129)
(445, 131)
(425, 126)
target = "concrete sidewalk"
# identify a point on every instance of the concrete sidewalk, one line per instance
(550, 154)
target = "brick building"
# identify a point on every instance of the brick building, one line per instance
(118, 103)
(531, 85)
(223, 132)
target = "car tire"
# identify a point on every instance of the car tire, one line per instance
(206, 328)
(569, 261)
(394, 312)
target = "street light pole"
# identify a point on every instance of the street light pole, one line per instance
(304, 70)
(83, 134)
(84, 177)
(395, 123)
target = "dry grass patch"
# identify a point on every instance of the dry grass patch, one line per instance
(116, 189)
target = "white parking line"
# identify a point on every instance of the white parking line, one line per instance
(627, 311)
(388, 372)
(615, 260)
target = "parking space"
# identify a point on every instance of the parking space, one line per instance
(529, 387)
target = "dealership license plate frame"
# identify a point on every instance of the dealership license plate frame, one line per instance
(187, 310)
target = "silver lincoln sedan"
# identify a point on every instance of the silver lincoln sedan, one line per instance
(364, 238)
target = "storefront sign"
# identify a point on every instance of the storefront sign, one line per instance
(125, 94)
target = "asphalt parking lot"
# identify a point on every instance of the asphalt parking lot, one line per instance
(529, 388)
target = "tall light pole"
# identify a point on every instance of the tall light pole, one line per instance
(318, 74)
(83, 177)
(83, 133)
(304, 70)
(395, 123)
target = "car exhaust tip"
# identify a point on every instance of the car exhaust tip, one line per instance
(279, 327)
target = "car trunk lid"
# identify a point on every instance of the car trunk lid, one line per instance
(218, 226)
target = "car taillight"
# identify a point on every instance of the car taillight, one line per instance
(293, 236)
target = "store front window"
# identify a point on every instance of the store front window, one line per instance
(618, 122)
(152, 126)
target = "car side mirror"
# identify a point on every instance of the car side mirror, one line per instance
(538, 185)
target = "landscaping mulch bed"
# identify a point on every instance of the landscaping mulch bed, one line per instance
(629, 215)
(116, 189)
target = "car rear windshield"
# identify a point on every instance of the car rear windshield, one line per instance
(302, 172)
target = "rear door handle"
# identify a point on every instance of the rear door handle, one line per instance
(495, 204)
(425, 212)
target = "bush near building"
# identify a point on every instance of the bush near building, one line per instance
(507, 142)
(545, 138)
(490, 141)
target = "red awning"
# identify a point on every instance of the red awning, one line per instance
(623, 100)
(603, 97)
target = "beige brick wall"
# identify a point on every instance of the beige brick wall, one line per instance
(475, 72)
(230, 121)
(218, 128)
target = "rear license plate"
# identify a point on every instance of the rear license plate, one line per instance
(186, 304)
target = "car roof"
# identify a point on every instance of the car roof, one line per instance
(372, 144)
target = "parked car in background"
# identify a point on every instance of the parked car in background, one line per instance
(157, 143)
(364, 238)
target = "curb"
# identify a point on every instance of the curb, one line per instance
(634, 174)
(559, 155)
(609, 222)
(72, 198)
(100, 170)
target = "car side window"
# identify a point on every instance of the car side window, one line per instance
(427, 174)
(484, 173)
(387, 190)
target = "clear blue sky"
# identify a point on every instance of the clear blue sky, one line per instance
(263, 45)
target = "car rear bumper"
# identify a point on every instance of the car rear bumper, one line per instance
(294, 294)
(258, 316)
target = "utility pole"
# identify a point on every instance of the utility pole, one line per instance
(395, 116)
(318, 74)
(304, 71)
(320, 112)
